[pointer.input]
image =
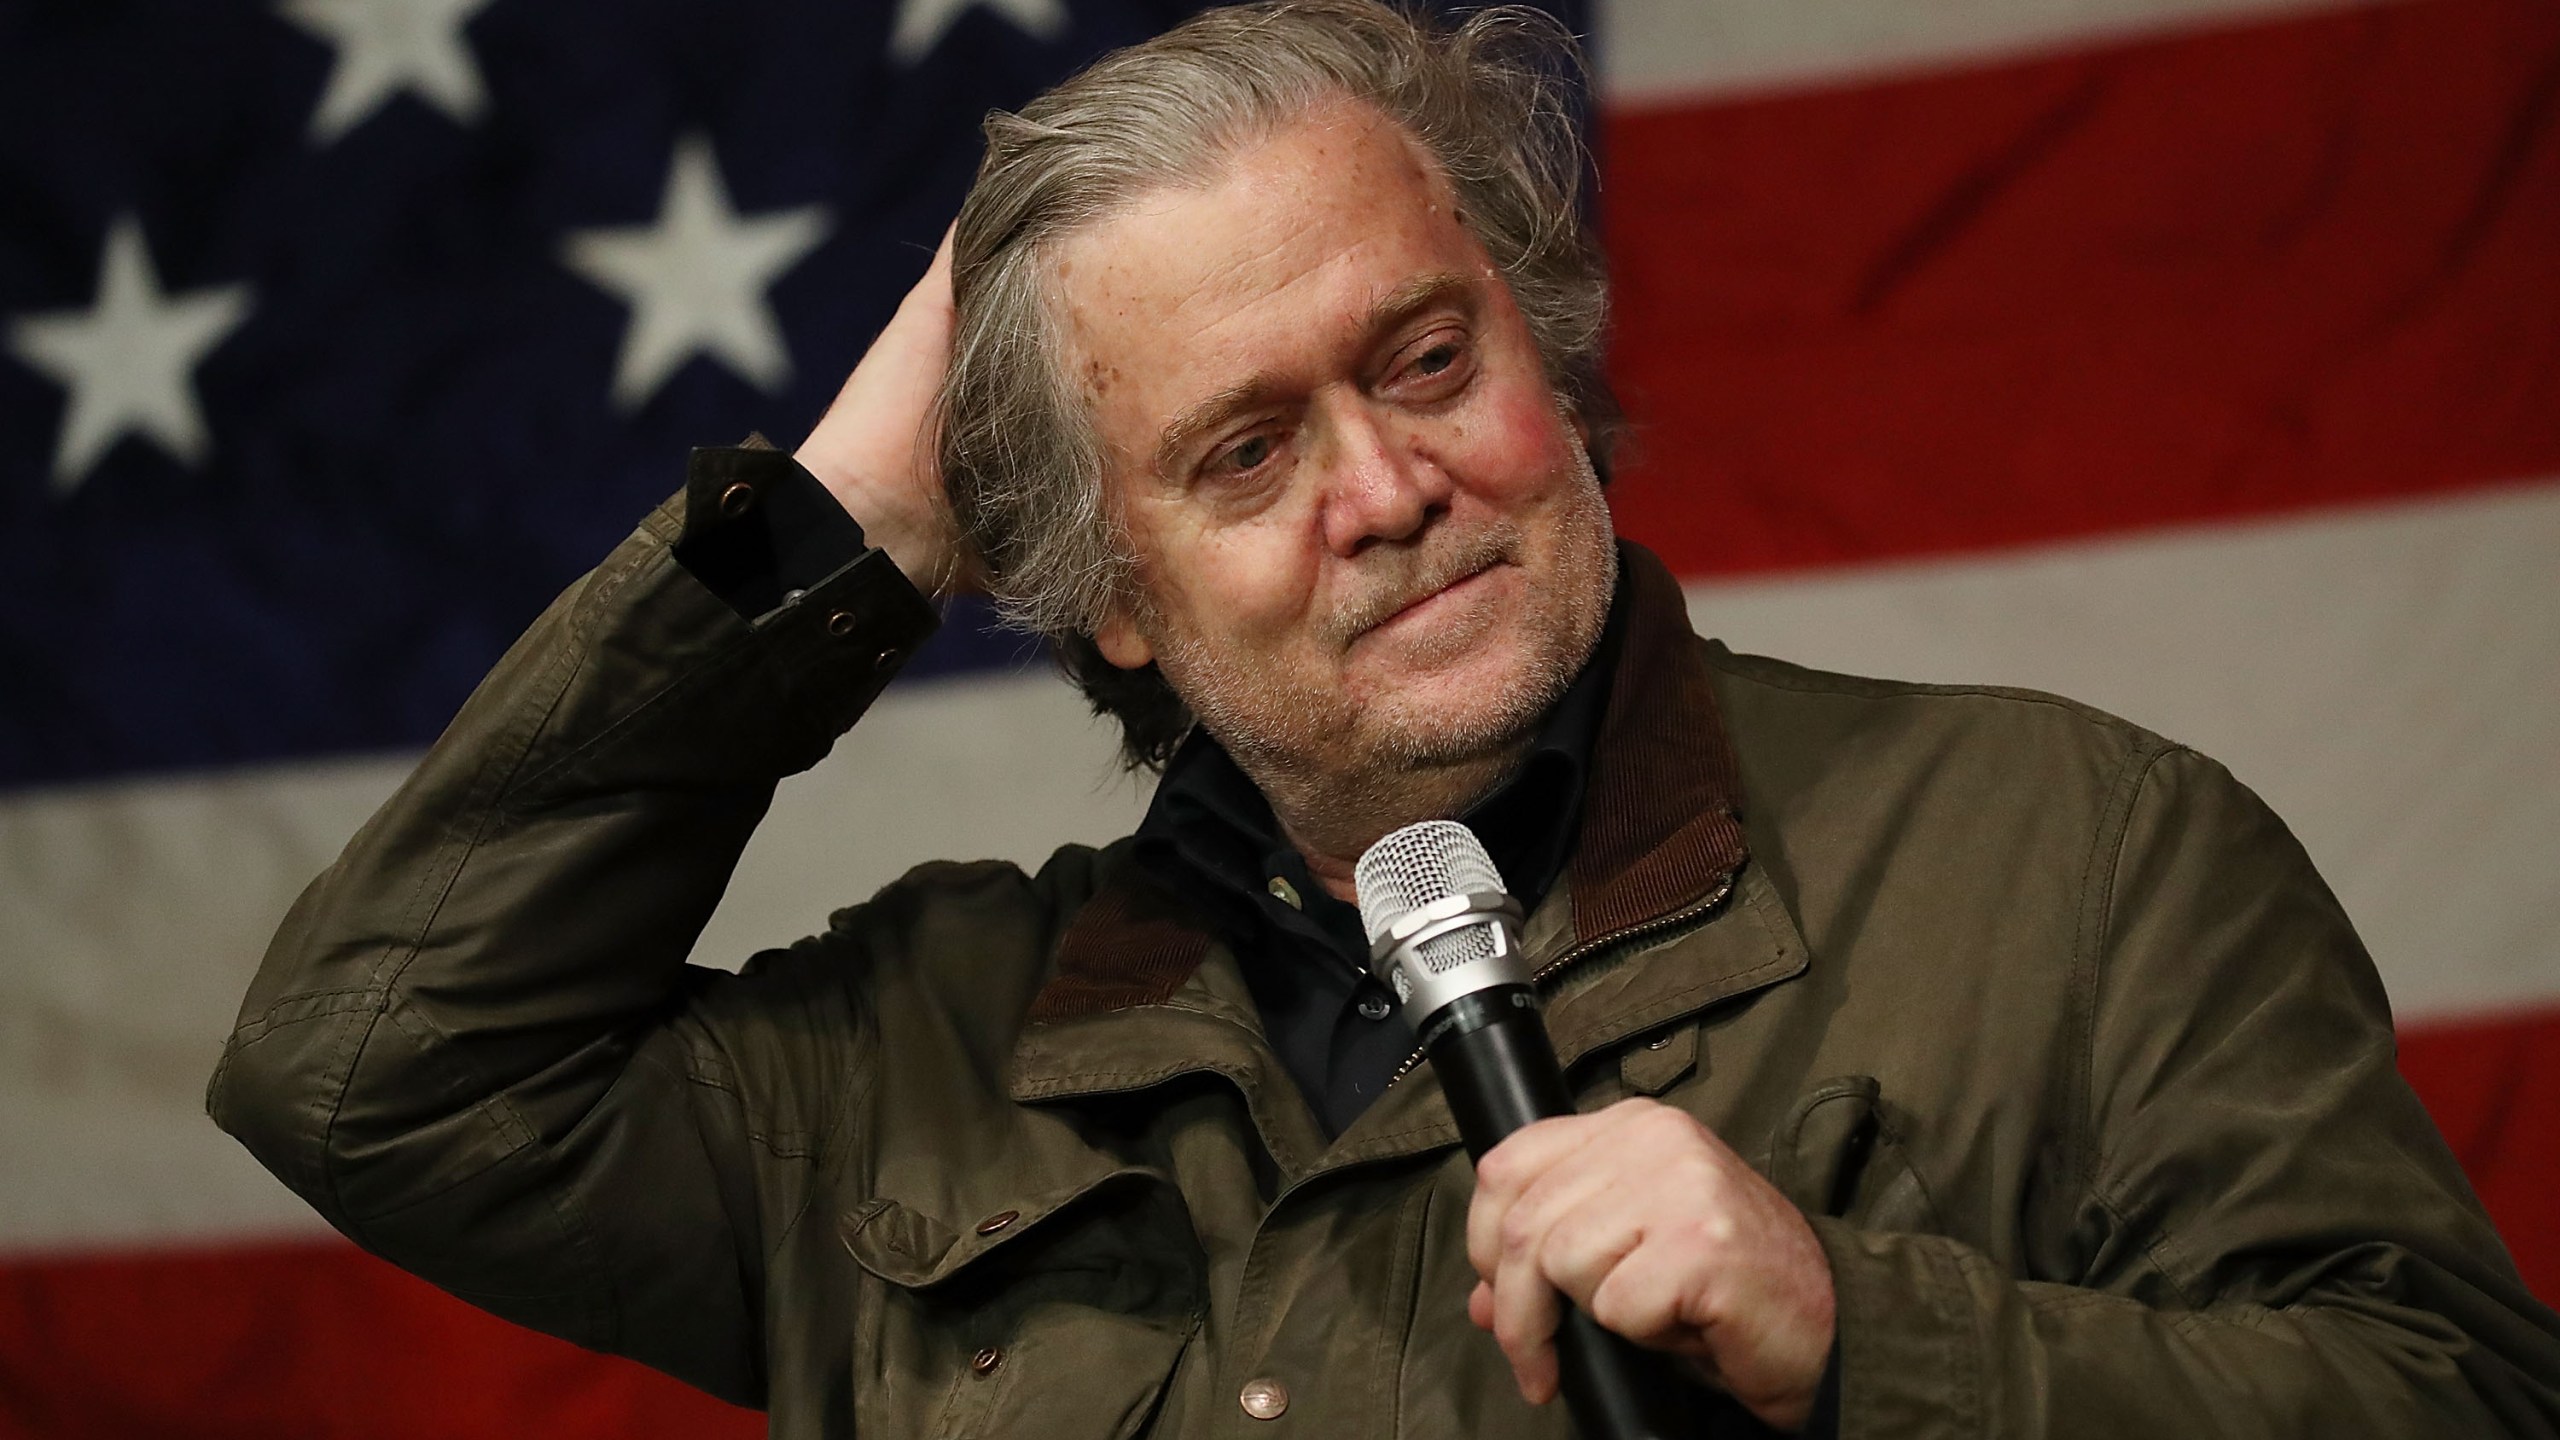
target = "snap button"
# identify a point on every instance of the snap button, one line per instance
(1264, 1399)
(998, 1221)
(737, 499)
(1658, 1042)
(1373, 1007)
(985, 1361)
(887, 655)
(1286, 893)
(842, 623)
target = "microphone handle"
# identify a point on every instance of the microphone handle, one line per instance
(1499, 1070)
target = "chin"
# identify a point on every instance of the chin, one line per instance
(1491, 695)
(1465, 712)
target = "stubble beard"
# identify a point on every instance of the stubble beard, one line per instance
(1339, 773)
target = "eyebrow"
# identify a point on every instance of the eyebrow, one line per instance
(1397, 306)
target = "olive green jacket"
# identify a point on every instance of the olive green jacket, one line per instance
(2047, 1022)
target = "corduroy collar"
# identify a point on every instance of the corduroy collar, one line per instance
(1661, 822)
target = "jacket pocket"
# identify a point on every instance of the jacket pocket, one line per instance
(1840, 1153)
(1058, 1314)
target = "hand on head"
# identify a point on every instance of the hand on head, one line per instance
(874, 448)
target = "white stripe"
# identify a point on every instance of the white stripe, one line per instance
(137, 911)
(2388, 680)
(1660, 51)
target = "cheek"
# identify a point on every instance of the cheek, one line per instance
(1245, 583)
(1516, 442)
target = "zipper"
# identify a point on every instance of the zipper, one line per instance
(1640, 930)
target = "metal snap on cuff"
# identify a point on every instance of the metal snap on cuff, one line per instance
(738, 499)
(842, 623)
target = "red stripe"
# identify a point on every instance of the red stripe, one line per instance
(317, 1339)
(2493, 1085)
(325, 1340)
(2227, 274)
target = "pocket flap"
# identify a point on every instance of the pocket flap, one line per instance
(909, 1248)
(1822, 1147)
(1651, 1068)
(1841, 1153)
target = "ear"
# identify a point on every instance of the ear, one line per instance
(1121, 644)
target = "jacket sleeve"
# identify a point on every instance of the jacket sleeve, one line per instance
(2256, 1230)
(475, 1045)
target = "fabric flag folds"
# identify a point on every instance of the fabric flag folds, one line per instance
(2199, 359)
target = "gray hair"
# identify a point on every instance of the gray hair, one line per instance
(1491, 100)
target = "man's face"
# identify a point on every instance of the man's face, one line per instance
(1368, 537)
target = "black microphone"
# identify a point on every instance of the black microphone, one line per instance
(1445, 937)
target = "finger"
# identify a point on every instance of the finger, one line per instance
(1508, 1170)
(1653, 1296)
(1525, 1302)
(1573, 1208)
(1585, 1243)
(933, 288)
(1480, 1306)
(1526, 1310)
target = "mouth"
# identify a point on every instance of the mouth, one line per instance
(1423, 607)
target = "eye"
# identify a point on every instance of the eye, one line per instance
(1436, 368)
(1244, 456)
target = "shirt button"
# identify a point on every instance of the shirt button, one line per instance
(1286, 893)
(1264, 1399)
(1374, 1007)
(985, 1361)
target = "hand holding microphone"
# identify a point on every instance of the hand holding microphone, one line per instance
(1648, 1224)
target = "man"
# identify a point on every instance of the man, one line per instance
(1957, 1061)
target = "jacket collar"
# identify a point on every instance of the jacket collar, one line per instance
(1661, 823)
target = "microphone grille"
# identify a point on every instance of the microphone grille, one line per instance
(1409, 868)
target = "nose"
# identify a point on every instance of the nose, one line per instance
(1381, 489)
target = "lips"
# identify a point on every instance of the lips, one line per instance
(1427, 596)
(1378, 617)
(1404, 581)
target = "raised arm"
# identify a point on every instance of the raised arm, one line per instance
(475, 1046)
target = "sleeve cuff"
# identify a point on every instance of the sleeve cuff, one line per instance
(759, 529)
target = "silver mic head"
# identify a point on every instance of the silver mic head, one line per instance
(1440, 925)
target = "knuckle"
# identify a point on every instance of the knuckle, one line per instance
(1667, 1123)
(1519, 1232)
(1612, 1308)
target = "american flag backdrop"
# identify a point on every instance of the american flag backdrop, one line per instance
(2199, 359)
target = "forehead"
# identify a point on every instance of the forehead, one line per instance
(1270, 272)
